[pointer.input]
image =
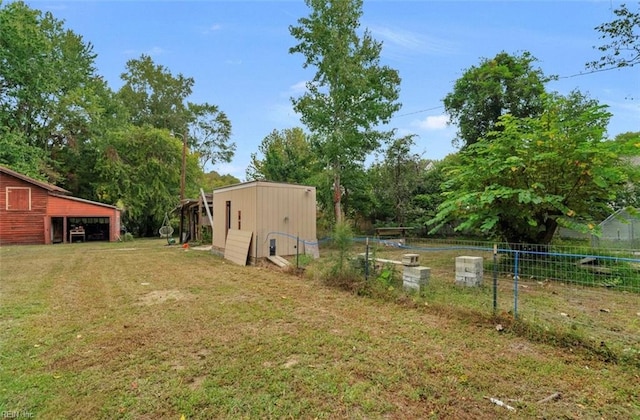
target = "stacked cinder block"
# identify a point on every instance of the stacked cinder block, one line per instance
(469, 271)
(414, 277)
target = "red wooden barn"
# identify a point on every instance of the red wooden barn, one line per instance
(35, 212)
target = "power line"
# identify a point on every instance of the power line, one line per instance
(420, 111)
(590, 72)
(558, 78)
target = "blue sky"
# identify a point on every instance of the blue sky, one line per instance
(237, 52)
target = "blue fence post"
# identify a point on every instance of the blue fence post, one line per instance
(515, 285)
(366, 261)
(297, 252)
(495, 278)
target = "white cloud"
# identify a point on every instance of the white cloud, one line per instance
(213, 28)
(297, 89)
(152, 52)
(433, 122)
(156, 51)
(412, 41)
(235, 169)
(283, 114)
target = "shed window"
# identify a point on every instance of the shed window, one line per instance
(239, 220)
(18, 198)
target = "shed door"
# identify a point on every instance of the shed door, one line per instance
(227, 218)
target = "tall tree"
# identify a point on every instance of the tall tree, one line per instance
(50, 94)
(350, 95)
(396, 179)
(286, 157)
(505, 84)
(140, 170)
(154, 96)
(522, 181)
(622, 40)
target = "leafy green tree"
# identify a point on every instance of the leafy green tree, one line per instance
(49, 90)
(210, 132)
(140, 169)
(622, 40)
(16, 153)
(154, 96)
(427, 195)
(522, 181)
(396, 179)
(212, 180)
(287, 156)
(350, 95)
(630, 195)
(505, 84)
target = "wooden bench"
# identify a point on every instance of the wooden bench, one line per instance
(392, 232)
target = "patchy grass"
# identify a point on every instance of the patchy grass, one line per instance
(603, 321)
(141, 330)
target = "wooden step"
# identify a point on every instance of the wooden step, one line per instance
(278, 260)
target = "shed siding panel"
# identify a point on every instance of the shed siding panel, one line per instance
(288, 214)
(22, 226)
(277, 211)
(242, 200)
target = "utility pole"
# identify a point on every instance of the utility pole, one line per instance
(183, 171)
(183, 181)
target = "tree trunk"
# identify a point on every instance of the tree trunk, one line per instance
(337, 195)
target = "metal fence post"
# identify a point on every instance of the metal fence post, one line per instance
(366, 261)
(495, 278)
(515, 285)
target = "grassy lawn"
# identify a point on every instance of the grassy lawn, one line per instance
(141, 330)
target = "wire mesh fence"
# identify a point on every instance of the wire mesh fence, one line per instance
(572, 289)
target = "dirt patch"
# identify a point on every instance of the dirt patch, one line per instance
(160, 296)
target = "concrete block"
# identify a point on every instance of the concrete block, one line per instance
(469, 271)
(415, 278)
(410, 260)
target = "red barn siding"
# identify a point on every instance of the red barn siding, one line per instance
(61, 206)
(72, 207)
(22, 226)
(34, 226)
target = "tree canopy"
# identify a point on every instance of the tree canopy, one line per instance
(505, 84)
(139, 169)
(51, 98)
(60, 122)
(154, 96)
(622, 40)
(350, 94)
(532, 174)
(287, 156)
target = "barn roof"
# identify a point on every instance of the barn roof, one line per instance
(41, 184)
